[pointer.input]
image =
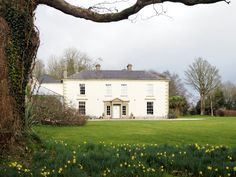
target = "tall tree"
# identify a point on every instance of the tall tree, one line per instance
(176, 86)
(70, 66)
(77, 61)
(215, 100)
(229, 91)
(19, 42)
(38, 68)
(203, 77)
(70, 56)
(71, 60)
(55, 67)
(178, 94)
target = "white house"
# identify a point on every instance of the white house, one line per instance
(115, 94)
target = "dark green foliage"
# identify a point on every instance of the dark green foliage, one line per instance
(178, 104)
(216, 99)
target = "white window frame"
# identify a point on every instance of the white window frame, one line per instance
(150, 90)
(124, 90)
(108, 90)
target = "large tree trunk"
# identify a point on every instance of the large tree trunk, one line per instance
(18, 47)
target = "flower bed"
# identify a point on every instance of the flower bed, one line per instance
(125, 160)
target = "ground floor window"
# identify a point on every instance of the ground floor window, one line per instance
(150, 108)
(123, 110)
(82, 110)
(108, 110)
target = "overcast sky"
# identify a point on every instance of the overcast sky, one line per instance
(166, 42)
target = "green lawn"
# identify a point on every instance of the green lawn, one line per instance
(213, 131)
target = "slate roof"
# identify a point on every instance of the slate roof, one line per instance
(39, 90)
(47, 79)
(117, 74)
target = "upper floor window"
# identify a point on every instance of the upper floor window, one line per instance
(150, 90)
(124, 90)
(82, 89)
(108, 91)
(150, 108)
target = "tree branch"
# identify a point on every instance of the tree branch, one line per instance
(88, 14)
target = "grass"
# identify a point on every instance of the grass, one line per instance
(213, 131)
(117, 148)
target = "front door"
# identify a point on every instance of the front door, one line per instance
(116, 111)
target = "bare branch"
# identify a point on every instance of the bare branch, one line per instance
(89, 14)
(156, 13)
(102, 6)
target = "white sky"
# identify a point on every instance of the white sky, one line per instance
(160, 43)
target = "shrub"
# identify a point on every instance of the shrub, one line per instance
(221, 112)
(229, 112)
(50, 110)
(172, 114)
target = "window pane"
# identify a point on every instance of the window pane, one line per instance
(123, 110)
(150, 108)
(150, 90)
(108, 110)
(82, 108)
(82, 89)
(124, 90)
(108, 90)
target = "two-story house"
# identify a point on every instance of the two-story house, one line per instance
(115, 94)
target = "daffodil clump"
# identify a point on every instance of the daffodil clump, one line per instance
(58, 159)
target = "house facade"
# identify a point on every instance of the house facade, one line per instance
(46, 85)
(117, 94)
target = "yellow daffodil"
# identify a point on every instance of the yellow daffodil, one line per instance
(209, 168)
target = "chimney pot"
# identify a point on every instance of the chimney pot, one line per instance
(129, 67)
(98, 67)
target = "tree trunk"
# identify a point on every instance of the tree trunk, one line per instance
(202, 99)
(212, 111)
(177, 111)
(18, 47)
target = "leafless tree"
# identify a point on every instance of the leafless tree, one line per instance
(229, 91)
(71, 60)
(204, 78)
(55, 67)
(176, 86)
(38, 68)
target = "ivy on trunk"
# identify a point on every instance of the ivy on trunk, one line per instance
(18, 50)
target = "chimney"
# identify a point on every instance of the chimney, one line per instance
(98, 67)
(65, 74)
(129, 67)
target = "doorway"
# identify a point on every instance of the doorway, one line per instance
(116, 111)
